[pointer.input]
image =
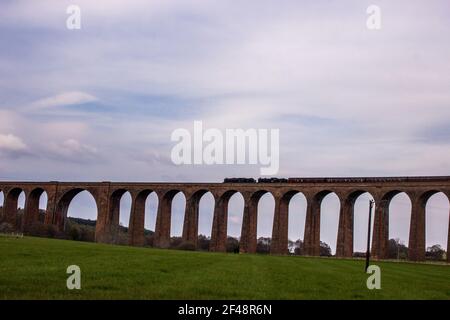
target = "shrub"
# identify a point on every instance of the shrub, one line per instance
(51, 231)
(186, 245)
(148, 240)
(6, 227)
(232, 245)
(203, 242)
(175, 242)
(36, 229)
(73, 232)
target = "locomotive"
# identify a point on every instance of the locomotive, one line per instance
(239, 180)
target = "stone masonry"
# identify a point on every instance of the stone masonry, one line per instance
(108, 194)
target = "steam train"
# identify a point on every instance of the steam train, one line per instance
(302, 180)
(330, 180)
(252, 180)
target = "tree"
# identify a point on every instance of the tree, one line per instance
(203, 242)
(263, 245)
(6, 227)
(175, 242)
(74, 232)
(232, 245)
(148, 240)
(325, 250)
(435, 253)
(291, 246)
(298, 247)
(396, 249)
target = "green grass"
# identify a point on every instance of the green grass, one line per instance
(35, 268)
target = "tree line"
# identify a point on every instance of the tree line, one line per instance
(84, 230)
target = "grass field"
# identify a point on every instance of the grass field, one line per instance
(35, 268)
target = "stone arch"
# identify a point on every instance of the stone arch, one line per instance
(349, 219)
(62, 208)
(311, 241)
(280, 228)
(380, 239)
(11, 203)
(425, 196)
(192, 217)
(136, 231)
(248, 241)
(114, 214)
(222, 218)
(32, 214)
(319, 196)
(164, 218)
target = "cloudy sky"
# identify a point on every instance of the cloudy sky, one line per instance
(100, 103)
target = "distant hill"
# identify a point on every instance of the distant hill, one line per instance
(76, 221)
(92, 223)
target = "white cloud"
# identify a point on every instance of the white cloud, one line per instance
(235, 219)
(9, 142)
(63, 99)
(73, 150)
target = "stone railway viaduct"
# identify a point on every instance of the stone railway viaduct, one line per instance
(108, 194)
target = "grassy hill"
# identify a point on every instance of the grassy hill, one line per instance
(36, 268)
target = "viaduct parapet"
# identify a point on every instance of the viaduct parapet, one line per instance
(107, 196)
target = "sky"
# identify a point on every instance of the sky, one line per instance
(100, 103)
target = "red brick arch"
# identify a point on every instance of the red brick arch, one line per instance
(382, 189)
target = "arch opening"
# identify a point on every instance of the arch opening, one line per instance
(361, 202)
(43, 201)
(76, 215)
(151, 211)
(330, 206)
(125, 210)
(177, 211)
(296, 222)
(119, 216)
(20, 210)
(437, 209)
(2, 200)
(264, 222)
(205, 220)
(21, 201)
(399, 220)
(235, 212)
